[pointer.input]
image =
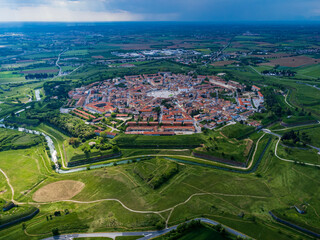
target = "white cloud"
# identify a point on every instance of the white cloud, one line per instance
(64, 11)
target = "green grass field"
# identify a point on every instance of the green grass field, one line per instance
(10, 77)
(306, 97)
(309, 71)
(177, 141)
(223, 195)
(312, 131)
(19, 92)
(11, 139)
(237, 130)
(301, 155)
(201, 233)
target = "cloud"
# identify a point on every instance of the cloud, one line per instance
(66, 11)
(158, 10)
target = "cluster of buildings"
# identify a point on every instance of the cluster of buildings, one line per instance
(125, 59)
(168, 104)
(156, 52)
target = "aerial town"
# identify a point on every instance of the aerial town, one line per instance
(166, 103)
(159, 130)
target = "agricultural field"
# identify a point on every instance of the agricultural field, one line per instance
(306, 97)
(292, 61)
(224, 63)
(234, 174)
(10, 77)
(18, 93)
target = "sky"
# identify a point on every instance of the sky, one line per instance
(159, 10)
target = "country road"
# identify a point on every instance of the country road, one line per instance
(288, 160)
(146, 234)
(57, 63)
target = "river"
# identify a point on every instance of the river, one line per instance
(37, 93)
(49, 141)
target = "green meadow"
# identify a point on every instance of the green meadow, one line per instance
(194, 191)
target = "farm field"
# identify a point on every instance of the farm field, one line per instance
(223, 63)
(292, 61)
(306, 97)
(19, 93)
(234, 174)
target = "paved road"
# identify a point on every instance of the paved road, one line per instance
(146, 235)
(316, 148)
(272, 133)
(57, 64)
(289, 160)
(279, 136)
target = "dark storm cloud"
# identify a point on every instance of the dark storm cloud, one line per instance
(224, 10)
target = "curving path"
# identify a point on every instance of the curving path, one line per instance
(147, 235)
(285, 99)
(289, 160)
(286, 128)
(151, 234)
(283, 159)
(8, 181)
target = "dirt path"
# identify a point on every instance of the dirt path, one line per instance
(44, 162)
(289, 160)
(8, 181)
(285, 99)
(254, 153)
(127, 177)
(303, 125)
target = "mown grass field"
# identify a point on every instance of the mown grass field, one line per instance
(237, 130)
(177, 141)
(309, 71)
(220, 195)
(25, 168)
(306, 97)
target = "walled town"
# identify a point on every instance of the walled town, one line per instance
(166, 103)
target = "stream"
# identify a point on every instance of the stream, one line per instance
(49, 141)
